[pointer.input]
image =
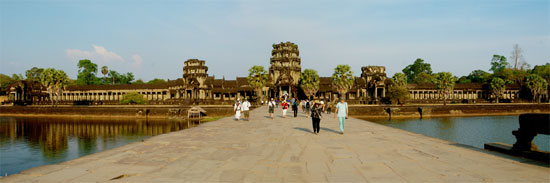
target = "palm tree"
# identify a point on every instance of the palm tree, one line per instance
(104, 71)
(55, 82)
(498, 86)
(309, 82)
(342, 79)
(537, 85)
(445, 84)
(257, 78)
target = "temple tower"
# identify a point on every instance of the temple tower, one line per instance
(285, 69)
(194, 77)
(375, 77)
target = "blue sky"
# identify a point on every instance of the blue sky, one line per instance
(152, 39)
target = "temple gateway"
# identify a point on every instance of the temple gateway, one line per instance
(197, 87)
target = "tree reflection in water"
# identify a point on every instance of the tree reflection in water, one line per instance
(30, 142)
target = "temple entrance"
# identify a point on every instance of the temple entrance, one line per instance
(285, 90)
(189, 94)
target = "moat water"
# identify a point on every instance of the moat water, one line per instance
(472, 131)
(31, 142)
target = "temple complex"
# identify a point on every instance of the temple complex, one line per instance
(197, 87)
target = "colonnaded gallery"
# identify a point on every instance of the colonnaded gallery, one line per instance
(198, 87)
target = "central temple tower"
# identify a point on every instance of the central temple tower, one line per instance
(194, 77)
(285, 69)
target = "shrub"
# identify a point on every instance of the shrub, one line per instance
(133, 98)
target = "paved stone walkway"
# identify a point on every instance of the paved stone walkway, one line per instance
(285, 150)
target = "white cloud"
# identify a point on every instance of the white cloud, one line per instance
(137, 61)
(99, 54)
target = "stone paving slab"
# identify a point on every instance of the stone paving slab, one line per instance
(285, 150)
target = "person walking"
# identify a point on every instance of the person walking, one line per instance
(271, 106)
(237, 110)
(295, 107)
(284, 104)
(342, 112)
(316, 117)
(308, 106)
(245, 107)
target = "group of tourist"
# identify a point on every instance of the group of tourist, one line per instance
(313, 109)
(241, 107)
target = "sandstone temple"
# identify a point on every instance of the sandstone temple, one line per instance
(198, 87)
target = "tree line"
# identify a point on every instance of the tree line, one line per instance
(419, 72)
(87, 75)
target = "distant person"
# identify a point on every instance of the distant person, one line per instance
(308, 105)
(284, 104)
(246, 108)
(342, 111)
(316, 117)
(237, 110)
(271, 106)
(329, 107)
(277, 103)
(295, 107)
(303, 106)
(322, 106)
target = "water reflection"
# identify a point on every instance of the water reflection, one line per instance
(473, 131)
(31, 142)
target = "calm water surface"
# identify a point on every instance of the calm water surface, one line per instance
(30, 142)
(473, 131)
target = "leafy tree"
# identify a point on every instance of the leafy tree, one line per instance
(139, 81)
(479, 76)
(34, 73)
(104, 71)
(398, 94)
(414, 70)
(257, 78)
(115, 76)
(121, 78)
(17, 77)
(5, 81)
(133, 98)
(498, 86)
(55, 82)
(398, 91)
(400, 79)
(498, 63)
(445, 83)
(126, 78)
(309, 82)
(423, 78)
(537, 85)
(156, 81)
(87, 73)
(463, 80)
(342, 79)
(543, 71)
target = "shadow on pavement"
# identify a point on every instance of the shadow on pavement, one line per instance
(514, 158)
(330, 130)
(304, 129)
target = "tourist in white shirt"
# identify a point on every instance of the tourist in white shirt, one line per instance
(245, 107)
(271, 105)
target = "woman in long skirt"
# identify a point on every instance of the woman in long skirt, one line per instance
(237, 110)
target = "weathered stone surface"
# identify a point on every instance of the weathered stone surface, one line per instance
(285, 150)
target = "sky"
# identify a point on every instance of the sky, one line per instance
(153, 39)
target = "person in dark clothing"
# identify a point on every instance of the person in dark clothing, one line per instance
(308, 106)
(316, 117)
(295, 107)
